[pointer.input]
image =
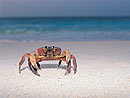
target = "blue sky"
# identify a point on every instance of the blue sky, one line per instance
(64, 8)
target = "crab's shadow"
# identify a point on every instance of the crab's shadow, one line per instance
(48, 66)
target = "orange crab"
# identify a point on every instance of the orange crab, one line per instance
(48, 53)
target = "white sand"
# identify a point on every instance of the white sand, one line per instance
(103, 71)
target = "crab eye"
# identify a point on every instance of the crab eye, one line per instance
(52, 46)
(45, 46)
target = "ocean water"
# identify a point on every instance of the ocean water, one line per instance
(65, 28)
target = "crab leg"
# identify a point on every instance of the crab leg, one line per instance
(33, 62)
(59, 63)
(38, 65)
(22, 60)
(34, 69)
(65, 56)
(68, 68)
(74, 63)
(29, 63)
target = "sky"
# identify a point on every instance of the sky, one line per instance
(27, 8)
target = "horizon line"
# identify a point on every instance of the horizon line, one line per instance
(65, 17)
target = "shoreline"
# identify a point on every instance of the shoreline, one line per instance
(63, 41)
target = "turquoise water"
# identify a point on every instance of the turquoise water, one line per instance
(65, 28)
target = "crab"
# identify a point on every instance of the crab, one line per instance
(48, 53)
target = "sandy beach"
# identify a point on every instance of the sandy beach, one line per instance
(103, 71)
